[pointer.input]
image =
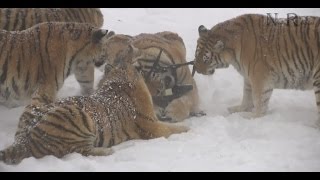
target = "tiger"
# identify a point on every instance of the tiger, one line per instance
(269, 54)
(39, 59)
(18, 19)
(147, 48)
(118, 111)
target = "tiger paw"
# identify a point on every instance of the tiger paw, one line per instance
(250, 115)
(181, 129)
(198, 114)
(176, 128)
(239, 108)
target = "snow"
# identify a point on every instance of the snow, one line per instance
(286, 139)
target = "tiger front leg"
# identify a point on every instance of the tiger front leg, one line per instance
(155, 129)
(261, 94)
(84, 73)
(247, 101)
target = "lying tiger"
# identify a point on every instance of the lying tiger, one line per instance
(39, 59)
(270, 55)
(120, 110)
(147, 49)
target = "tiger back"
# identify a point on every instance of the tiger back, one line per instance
(120, 110)
(147, 48)
(39, 59)
(17, 19)
(269, 55)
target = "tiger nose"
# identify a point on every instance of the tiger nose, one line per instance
(169, 81)
(98, 63)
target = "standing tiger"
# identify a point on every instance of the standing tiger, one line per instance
(147, 48)
(39, 59)
(17, 19)
(120, 110)
(283, 54)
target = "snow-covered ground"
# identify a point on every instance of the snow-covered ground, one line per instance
(286, 139)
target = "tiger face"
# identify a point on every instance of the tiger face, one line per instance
(208, 55)
(158, 82)
(92, 51)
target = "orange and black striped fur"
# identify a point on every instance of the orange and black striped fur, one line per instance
(17, 19)
(269, 54)
(120, 110)
(147, 48)
(43, 56)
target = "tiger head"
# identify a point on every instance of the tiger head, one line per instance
(122, 71)
(89, 46)
(115, 45)
(208, 53)
(156, 82)
(100, 38)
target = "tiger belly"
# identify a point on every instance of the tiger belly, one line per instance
(298, 81)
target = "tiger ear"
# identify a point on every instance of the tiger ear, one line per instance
(202, 30)
(110, 34)
(133, 49)
(137, 66)
(98, 35)
(219, 46)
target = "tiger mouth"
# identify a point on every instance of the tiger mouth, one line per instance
(210, 72)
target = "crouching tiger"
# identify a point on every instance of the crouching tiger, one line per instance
(268, 55)
(120, 110)
(147, 48)
(40, 58)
